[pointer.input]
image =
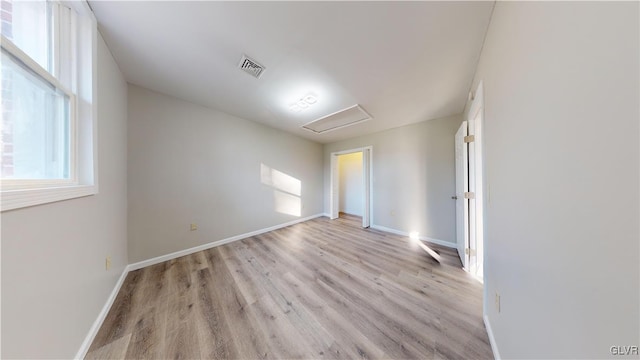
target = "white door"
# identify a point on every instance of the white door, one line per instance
(472, 202)
(462, 186)
(476, 208)
(366, 173)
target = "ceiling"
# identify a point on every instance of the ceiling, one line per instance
(403, 62)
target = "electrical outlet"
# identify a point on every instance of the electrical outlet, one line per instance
(107, 263)
(392, 212)
(194, 227)
(497, 302)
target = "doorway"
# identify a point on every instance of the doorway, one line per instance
(351, 183)
(336, 193)
(470, 188)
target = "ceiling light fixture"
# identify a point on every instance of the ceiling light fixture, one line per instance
(303, 103)
(310, 99)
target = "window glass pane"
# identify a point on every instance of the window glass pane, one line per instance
(27, 24)
(35, 125)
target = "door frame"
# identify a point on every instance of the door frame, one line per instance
(462, 203)
(477, 182)
(474, 213)
(367, 179)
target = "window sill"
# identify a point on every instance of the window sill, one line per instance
(17, 199)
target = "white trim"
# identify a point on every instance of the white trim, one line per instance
(84, 152)
(334, 188)
(483, 196)
(177, 254)
(32, 65)
(326, 215)
(475, 118)
(351, 151)
(367, 185)
(438, 242)
(15, 199)
(423, 238)
(93, 331)
(42, 75)
(492, 339)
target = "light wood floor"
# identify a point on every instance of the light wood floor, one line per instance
(318, 289)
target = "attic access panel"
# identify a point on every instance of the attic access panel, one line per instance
(343, 118)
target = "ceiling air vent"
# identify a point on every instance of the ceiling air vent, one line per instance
(347, 117)
(250, 66)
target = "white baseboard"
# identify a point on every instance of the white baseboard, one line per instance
(327, 215)
(423, 238)
(177, 254)
(93, 331)
(492, 339)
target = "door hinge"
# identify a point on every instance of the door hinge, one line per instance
(469, 138)
(468, 251)
(469, 195)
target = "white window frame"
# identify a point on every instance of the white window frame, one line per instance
(18, 184)
(82, 78)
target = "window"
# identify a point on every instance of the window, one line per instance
(48, 108)
(37, 125)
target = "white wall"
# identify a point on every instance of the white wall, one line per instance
(561, 85)
(190, 164)
(351, 186)
(54, 281)
(413, 177)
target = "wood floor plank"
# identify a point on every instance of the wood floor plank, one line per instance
(317, 337)
(250, 344)
(155, 281)
(324, 289)
(355, 344)
(245, 283)
(285, 341)
(198, 261)
(182, 342)
(120, 319)
(214, 335)
(147, 336)
(114, 350)
(377, 329)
